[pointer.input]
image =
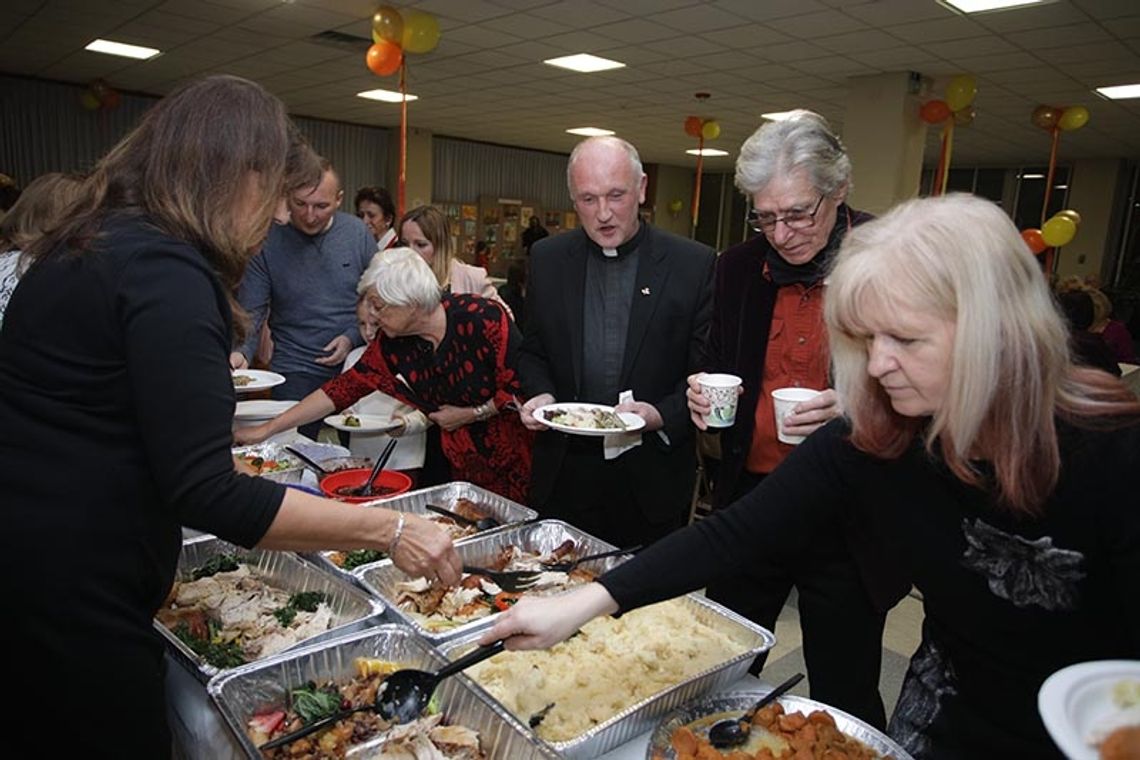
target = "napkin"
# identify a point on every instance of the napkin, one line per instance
(616, 444)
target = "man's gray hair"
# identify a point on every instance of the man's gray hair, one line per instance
(401, 277)
(802, 141)
(625, 145)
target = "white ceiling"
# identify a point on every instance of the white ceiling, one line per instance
(485, 80)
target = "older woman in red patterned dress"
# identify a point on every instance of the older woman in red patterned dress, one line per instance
(450, 356)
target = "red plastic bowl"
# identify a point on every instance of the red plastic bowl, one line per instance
(388, 483)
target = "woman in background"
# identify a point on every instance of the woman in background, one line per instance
(424, 230)
(374, 205)
(1001, 474)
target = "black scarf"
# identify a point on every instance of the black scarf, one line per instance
(783, 273)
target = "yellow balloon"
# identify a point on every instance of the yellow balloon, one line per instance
(387, 24)
(710, 130)
(421, 32)
(676, 205)
(961, 91)
(1058, 230)
(1071, 215)
(1073, 117)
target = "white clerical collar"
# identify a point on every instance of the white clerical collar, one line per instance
(610, 253)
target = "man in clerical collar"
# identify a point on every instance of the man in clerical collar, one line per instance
(304, 279)
(615, 306)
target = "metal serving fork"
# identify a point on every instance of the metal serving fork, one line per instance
(508, 580)
(568, 565)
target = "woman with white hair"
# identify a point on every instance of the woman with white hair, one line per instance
(767, 328)
(999, 473)
(451, 356)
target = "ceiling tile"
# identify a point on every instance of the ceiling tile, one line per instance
(857, 42)
(767, 10)
(698, 18)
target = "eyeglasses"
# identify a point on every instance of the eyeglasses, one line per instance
(796, 219)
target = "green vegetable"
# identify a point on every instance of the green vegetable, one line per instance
(308, 601)
(285, 615)
(355, 559)
(220, 563)
(220, 654)
(312, 703)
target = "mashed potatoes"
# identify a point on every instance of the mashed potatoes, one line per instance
(609, 666)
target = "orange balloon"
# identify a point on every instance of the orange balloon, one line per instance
(693, 126)
(1033, 239)
(384, 58)
(1045, 117)
(935, 111)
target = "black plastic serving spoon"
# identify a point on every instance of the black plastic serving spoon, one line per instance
(402, 697)
(731, 732)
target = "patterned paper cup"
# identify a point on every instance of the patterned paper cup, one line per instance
(785, 399)
(721, 391)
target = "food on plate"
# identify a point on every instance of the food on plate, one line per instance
(608, 666)
(774, 734)
(585, 418)
(1125, 697)
(240, 381)
(228, 615)
(472, 510)
(440, 608)
(351, 420)
(1121, 744)
(262, 465)
(423, 738)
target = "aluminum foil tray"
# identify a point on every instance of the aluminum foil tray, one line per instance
(660, 748)
(276, 451)
(543, 536)
(251, 689)
(502, 509)
(352, 608)
(643, 716)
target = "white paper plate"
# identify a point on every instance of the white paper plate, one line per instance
(632, 421)
(369, 423)
(260, 410)
(1075, 700)
(261, 380)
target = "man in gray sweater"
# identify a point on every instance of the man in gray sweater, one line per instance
(305, 278)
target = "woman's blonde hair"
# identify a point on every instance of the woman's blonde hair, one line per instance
(960, 258)
(433, 223)
(43, 205)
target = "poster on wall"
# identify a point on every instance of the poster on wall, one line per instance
(553, 220)
(470, 211)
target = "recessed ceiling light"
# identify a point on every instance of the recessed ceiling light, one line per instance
(706, 152)
(1120, 91)
(591, 132)
(1033, 176)
(122, 49)
(388, 96)
(777, 115)
(585, 63)
(981, 6)
(1060, 187)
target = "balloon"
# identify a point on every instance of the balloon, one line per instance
(676, 205)
(965, 116)
(384, 58)
(98, 87)
(710, 130)
(387, 24)
(1033, 239)
(421, 32)
(1045, 117)
(1071, 215)
(961, 91)
(1073, 118)
(934, 111)
(1058, 230)
(693, 126)
(89, 100)
(111, 100)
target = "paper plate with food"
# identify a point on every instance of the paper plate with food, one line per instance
(790, 721)
(587, 419)
(361, 423)
(1092, 709)
(246, 380)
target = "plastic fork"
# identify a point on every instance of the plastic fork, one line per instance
(565, 567)
(507, 580)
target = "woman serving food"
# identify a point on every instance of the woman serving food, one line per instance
(1000, 474)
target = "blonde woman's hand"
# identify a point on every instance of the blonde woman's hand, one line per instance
(542, 622)
(425, 550)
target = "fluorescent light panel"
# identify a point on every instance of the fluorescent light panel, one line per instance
(591, 132)
(584, 62)
(387, 96)
(1120, 91)
(777, 115)
(706, 152)
(122, 49)
(981, 6)
(1033, 176)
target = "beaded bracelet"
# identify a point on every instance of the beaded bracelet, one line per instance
(396, 537)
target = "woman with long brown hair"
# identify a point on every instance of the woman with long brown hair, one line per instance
(116, 402)
(1000, 474)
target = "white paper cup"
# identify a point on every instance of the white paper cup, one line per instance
(721, 391)
(785, 399)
